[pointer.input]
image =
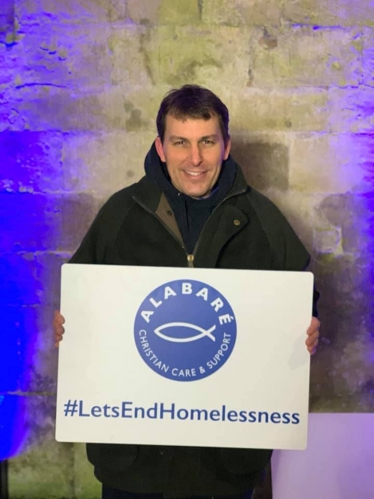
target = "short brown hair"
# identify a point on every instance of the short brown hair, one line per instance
(192, 101)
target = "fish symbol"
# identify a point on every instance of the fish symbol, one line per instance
(203, 332)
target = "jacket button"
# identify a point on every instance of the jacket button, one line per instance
(236, 222)
(169, 212)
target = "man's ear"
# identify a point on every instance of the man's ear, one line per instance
(160, 149)
(227, 148)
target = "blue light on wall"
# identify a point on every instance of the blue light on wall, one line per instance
(31, 173)
(23, 233)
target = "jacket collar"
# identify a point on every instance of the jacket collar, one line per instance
(148, 192)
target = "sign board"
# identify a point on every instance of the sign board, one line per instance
(178, 356)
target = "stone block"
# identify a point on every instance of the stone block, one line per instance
(8, 61)
(330, 12)
(71, 57)
(28, 357)
(42, 468)
(104, 163)
(368, 55)
(114, 109)
(10, 118)
(302, 212)
(30, 161)
(11, 425)
(341, 375)
(303, 56)
(214, 56)
(350, 212)
(85, 484)
(21, 283)
(12, 347)
(30, 278)
(159, 12)
(6, 12)
(242, 12)
(46, 222)
(49, 273)
(351, 110)
(82, 12)
(28, 361)
(62, 11)
(117, 10)
(39, 372)
(329, 163)
(58, 109)
(6, 20)
(130, 62)
(276, 110)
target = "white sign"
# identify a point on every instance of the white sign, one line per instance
(178, 356)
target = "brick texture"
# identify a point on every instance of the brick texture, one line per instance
(80, 86)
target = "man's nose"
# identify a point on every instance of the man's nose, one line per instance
(195, 155)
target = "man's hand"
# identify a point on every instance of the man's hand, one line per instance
(311, 341)
(313, 334)
(58, 328)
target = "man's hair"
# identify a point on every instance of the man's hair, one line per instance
(192, 101)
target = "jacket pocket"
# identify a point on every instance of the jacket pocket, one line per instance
(113, 457)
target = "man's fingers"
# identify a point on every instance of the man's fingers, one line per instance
(312, 335)
(58, 328)
(58, 336)
(58, 318)
(312, 338)
(312, 344)
(314, 326)
(59, 331)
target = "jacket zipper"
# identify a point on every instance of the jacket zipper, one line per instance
(210, 216)
(190, 256)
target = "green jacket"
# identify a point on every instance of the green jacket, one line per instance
(137, 227)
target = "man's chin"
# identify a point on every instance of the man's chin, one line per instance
(197, 194)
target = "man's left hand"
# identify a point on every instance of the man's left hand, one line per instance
(313, 334)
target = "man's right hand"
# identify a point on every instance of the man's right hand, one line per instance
(58, 328)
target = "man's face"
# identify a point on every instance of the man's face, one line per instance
(193, 150)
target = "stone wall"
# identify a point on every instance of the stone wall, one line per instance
(80, 84)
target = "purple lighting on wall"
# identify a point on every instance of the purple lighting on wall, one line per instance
(23, 232)
(33, 184)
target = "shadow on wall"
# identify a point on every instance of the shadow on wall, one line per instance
(264, 165)
(342, 371)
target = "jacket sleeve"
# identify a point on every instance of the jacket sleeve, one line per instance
(92, 247)
(104, 229)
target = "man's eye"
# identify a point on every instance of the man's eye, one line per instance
(208, 141)
(179, 142)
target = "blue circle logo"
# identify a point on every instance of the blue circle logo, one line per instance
(185, 330)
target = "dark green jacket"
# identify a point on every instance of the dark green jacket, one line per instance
(137, 227)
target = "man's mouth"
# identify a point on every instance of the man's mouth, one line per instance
(194, 174)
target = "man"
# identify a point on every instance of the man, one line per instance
(193, 208)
